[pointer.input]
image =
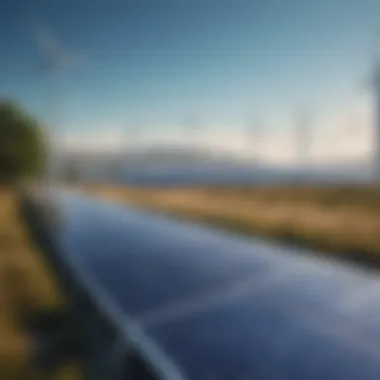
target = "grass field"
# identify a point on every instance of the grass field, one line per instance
(341, 221)
(25, 287)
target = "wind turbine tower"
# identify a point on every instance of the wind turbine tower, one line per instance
(303, 139)
(133, 137)
(191, 131)
(254, 133)
(53, 59)
(376, 85)
(131, 145)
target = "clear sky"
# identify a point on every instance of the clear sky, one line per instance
(154, 63)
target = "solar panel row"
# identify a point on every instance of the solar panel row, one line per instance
(212, 306)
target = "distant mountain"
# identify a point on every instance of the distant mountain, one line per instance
(183, 165)
(165, 156)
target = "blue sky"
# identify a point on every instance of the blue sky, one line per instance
(153, 63)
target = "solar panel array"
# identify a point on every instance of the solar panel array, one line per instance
(207, 305)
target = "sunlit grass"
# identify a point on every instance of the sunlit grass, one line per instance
(342, 221)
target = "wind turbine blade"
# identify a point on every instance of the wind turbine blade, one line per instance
(49, 46)
(366, 83)
(45, 39)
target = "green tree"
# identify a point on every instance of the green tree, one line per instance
(22, 148)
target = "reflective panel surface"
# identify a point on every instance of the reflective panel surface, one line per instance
(222, 306)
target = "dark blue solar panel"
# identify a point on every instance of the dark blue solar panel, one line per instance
(224, 307)
(248, 340)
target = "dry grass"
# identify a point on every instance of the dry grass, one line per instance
(25, 287)
(342, 221)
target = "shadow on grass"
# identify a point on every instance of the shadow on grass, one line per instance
(26, 287)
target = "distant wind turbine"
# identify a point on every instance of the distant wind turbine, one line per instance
(53, 59)
(133, 135)
(376, 90)
(303, 137)
(372, 81)
(254, 134)
(191, 129)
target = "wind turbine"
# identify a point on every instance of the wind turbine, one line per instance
(376, 92)
(303, 138)
(191, 130)
(132, 136)
(254, 133)
(372, 81)
(53, 59)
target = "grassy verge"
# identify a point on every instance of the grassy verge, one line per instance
(342, 221)
(25, 287)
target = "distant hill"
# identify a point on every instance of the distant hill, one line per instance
(174, 165)
(165, 156)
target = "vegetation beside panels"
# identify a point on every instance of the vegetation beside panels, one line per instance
(26, 286)
(22, 145)
(340, 221)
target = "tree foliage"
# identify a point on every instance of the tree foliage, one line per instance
(22, 149)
